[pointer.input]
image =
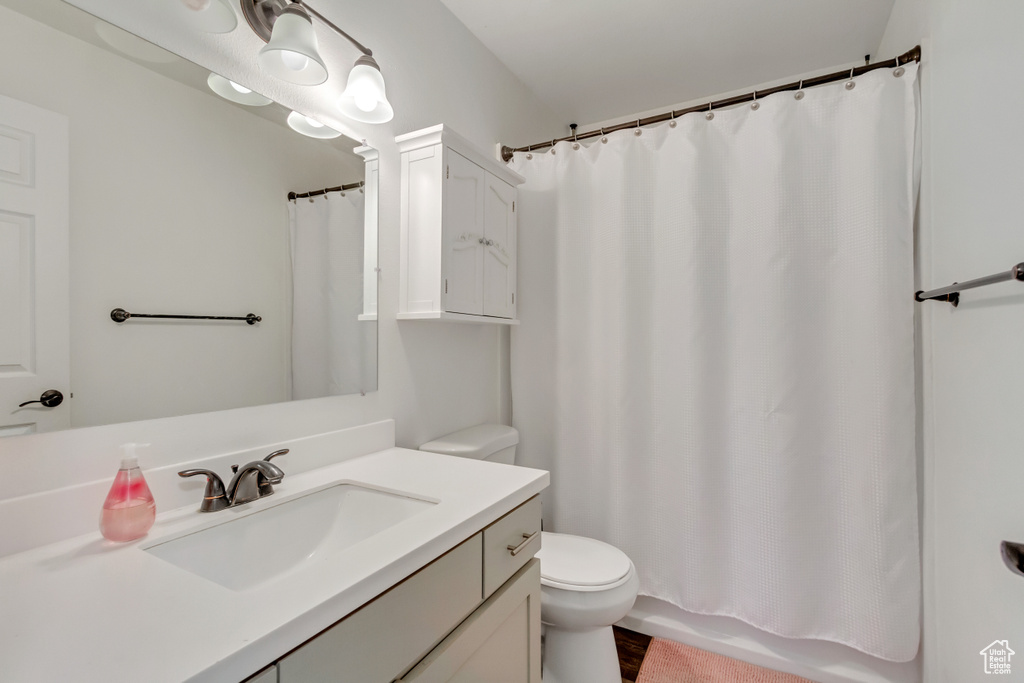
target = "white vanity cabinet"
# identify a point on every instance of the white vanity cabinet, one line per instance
(442, 623)
(458, 231)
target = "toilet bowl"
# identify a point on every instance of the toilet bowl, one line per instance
(586, 585)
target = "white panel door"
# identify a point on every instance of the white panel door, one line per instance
(463, 237)
(34, 346)
(499, 249)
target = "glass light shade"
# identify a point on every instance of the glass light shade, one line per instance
(364, 98)
(292, 53)
(308, 127)
(229, 90)
(211, 16)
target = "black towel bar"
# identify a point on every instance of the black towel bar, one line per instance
(119, 315)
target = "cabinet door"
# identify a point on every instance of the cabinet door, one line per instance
(462, 234)
(499, 249)
(498, 643)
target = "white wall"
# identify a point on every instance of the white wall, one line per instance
(972, 374)
(434, 377)
(174, 209)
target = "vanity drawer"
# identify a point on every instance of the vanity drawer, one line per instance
(520, 530)
(378, 641)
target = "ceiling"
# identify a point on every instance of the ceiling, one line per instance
(595, 60)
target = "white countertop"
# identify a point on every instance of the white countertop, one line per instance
(86, 609)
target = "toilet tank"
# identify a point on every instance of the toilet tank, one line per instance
(493, 442)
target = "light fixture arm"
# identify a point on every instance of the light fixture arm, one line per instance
(359, 46)
(261, 15)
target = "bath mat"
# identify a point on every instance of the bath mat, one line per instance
(670, 662)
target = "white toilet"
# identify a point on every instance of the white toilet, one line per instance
(586, 585)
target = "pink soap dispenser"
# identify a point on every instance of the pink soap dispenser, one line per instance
(129, 510)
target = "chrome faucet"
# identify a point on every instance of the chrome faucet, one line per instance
(250, 482)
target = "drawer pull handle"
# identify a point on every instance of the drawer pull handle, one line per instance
(516, 549)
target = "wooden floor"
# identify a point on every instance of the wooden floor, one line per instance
(632, 647)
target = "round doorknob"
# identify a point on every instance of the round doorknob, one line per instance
(51, 398)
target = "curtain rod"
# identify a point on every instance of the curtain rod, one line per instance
(951, 293)
(913, 55)
(292, 196)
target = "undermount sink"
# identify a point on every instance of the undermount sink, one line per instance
(245, 552)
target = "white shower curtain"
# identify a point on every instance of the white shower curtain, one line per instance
(716, 359)
(331, 348)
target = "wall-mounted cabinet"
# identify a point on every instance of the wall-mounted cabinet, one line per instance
(458, 231)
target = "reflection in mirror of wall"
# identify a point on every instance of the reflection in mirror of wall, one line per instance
(177, 203)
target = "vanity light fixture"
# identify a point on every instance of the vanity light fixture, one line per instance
(239, 94)
(310, 127)
(291, 54)
(364, 99)
(212, 16)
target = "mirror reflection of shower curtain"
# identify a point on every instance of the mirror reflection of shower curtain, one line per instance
(333, 353)
(716, 357)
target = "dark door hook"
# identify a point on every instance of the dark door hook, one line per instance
(51, 398)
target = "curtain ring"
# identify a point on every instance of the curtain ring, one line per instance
(799, 94)
(552, 146)
(604, 138)
(899, 70)
(755, 105)
(850, 84)
(575, 143)
(710, 115)
(325, 194)
(672, 121)
(637, 132)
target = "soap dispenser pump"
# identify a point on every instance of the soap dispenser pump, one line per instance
(129, 510)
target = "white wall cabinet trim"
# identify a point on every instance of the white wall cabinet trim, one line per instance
(458, 231)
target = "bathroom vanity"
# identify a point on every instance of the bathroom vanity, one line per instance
(391, 565)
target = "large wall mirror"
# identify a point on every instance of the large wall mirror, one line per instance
(177, 203)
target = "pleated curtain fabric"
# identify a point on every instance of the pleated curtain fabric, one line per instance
(716, 357)
(329, 345)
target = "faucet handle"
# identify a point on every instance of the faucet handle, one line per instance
(213, 497)
(273, 455)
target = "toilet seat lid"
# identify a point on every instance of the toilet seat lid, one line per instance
(568, 561)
